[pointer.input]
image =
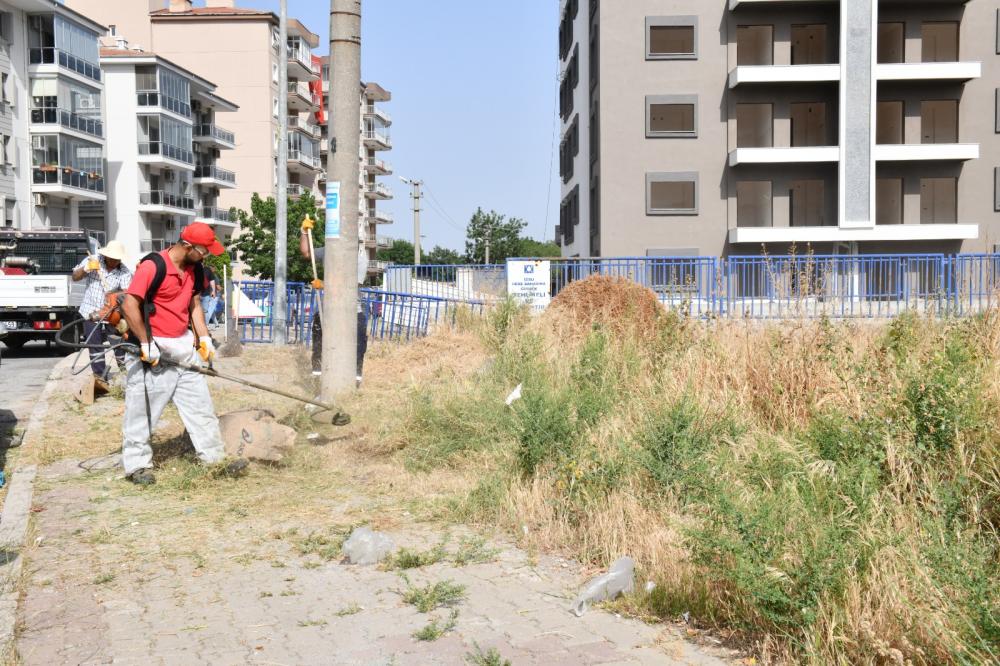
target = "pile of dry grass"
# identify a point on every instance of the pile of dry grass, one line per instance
(613, 303)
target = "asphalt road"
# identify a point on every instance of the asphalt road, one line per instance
(22, 378)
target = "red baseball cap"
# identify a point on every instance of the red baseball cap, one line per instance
(199, 233)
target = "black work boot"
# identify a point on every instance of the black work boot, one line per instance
(141, 477)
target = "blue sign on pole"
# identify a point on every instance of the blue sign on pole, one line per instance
(333, 210)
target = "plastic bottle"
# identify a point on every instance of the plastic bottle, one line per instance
(620, 579)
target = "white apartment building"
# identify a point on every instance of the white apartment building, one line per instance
(162, 143)
(51, 128)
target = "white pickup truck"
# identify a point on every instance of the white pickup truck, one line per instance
(37, 294)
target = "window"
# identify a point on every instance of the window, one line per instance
(567, 88)
(939, 41)
(671, 194)
(809, 45)
(7, 27)
(274, 107)
(890, 42)
(9, 211)
(889, 201)
(755, 45)
(566, 29)
(569, 215)
(671, 116)
(753, 203)
(5, 95)
(809, 126)
(938, 200)
(671, 37)
(754, 125)
(274, 72)
(595, 216)
(569, 149)
(113, 30)
(807, 203)
(889, 122)
(7, 148)
(939, 121)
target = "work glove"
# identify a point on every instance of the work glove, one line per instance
(206, 348)
(308, 224)
(149, 353)
(317, 284)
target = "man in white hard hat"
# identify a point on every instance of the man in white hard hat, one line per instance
(105, 273)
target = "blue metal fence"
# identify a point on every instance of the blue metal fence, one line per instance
(413, 299)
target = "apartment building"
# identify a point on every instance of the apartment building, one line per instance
(163, 144)
(720, 128)
(51, 128)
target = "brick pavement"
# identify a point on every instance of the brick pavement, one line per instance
(90, 599)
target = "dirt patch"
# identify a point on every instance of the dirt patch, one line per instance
(613, 303)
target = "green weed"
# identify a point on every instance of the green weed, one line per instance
(444, 593)
(437, 628)
(491, 657)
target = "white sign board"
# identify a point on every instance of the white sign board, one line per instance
(244, 308)
(528, 282)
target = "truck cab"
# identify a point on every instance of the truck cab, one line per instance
(37, 294)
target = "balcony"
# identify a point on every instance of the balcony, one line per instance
(211, 134)
(835, 234)
(373, 112)
(213, 176)
(297, 190)
(301, 98)
(67, 182)
(959, 72)
(90, 127)
(384, 242)
(154, 98)
(378, 191)
(377, 140)
(161, 201)
(302, 125)
(303, 162)
(752, 4)
(45, 58)
(377, 266)
(810, 154)
(300, 64)
(378, 167)
(380, 217)
(217, 217)
(164, 154)
(782, 74)
(924, 152)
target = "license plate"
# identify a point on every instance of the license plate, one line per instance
(10, 325)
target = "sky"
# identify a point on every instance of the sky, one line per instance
(473, 106)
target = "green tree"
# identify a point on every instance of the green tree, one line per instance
(504, 235)
(256, 242)
(532, 248)
(401, 253)
(443, 255)
(217, 264)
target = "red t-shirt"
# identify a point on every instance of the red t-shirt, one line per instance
(172, 299)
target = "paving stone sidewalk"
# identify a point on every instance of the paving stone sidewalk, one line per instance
(85, 605)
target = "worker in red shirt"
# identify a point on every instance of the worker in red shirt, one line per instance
(164, 332)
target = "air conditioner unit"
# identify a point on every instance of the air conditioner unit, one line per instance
(86, 103)
(40, 200)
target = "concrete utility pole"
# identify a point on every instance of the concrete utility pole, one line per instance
(487, 251)
(340, 304)
(280, 302)
(416, 196)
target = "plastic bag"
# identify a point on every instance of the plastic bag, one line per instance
(366, 546)
(620, 579)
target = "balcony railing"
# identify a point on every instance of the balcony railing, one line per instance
(49, 55)
(215, 173)
(381, 217)
(166, 150)
(53, 174)
(163, 198)
(303, 91)
(376, 164)
(375, 135)
(294, 122)
(373, 111)
(305, 158)
(158, 99)
(302, 55)
(378, 189)
(215, 213)
(296, 190)
(210, 130)
(384, 242)
(68, 119)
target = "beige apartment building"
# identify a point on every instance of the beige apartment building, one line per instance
(726, 127)
(238, 50)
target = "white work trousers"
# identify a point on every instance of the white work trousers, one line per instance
(188, 390)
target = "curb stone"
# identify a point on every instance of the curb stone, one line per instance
(17, 511)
